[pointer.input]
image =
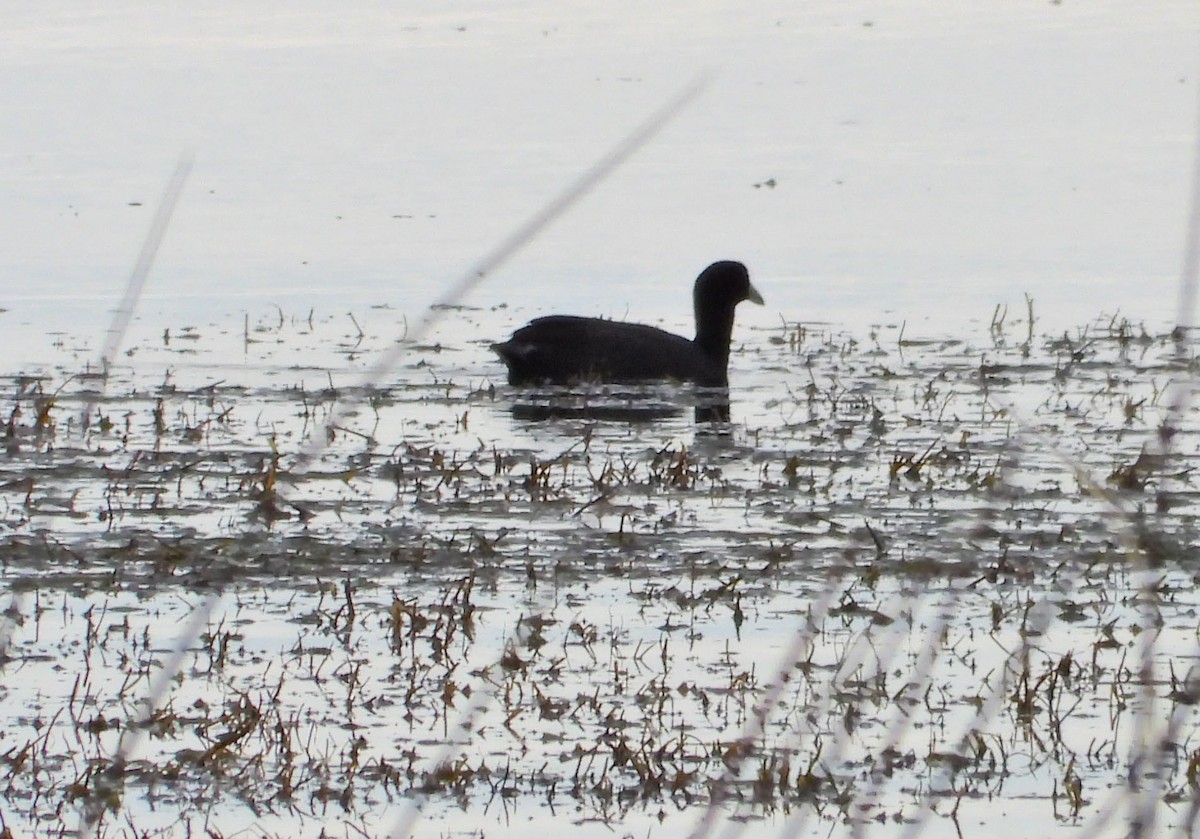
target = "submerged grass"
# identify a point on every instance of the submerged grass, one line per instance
(912, 578)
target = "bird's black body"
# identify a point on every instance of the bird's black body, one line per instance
(562, 349)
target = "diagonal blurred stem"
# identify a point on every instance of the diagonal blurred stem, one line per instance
(454, 293)
(766, 703)
(109, 781)
(115, 336)
(508, 246)
(411, 813)
(1189, 275)
(145, 261)
(1149, 754)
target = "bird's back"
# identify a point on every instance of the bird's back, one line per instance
(562, 349)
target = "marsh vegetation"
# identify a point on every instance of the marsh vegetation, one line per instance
(915, 579)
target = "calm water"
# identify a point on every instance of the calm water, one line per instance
(928, 165)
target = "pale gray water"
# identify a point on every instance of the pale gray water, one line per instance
(929, 163)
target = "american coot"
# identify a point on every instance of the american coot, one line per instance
(561, 349)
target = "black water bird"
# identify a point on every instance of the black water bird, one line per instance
(562, 349)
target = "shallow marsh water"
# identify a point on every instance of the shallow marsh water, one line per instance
(515, 622)
(954, 531)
